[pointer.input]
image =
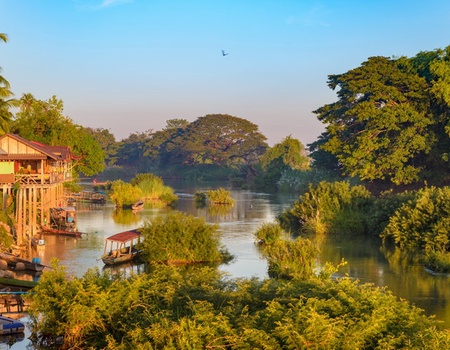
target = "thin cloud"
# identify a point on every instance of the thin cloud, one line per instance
(315, 16)
(109, 3)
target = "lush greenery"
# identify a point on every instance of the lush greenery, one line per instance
(178, 237)
(332, 208)
(220, 196)
(422, 224)
(197, 308)
(391, 119)
(43, 121)
(153, 188)
(142, 187)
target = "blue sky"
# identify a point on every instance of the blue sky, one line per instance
(130, 65)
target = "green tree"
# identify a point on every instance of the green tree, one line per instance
(6, 100)
(223, 140)
(43, 121)
(379, 127)
(107, 142)
(131, 151)
(291, 151)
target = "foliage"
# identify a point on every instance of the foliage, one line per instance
(291, 259)
(200, 199)
(218, 139)
(43, 121)
(299, 181)
(332, 208)
(6, 100)
(130, 151)
(268, 233)
(173, 308)
(422, 222)
(124, 194)
(107, 142)
(179, 237)
(153, 188)
(72, 186)
(391, 118)
(290, 151)
(220, 196)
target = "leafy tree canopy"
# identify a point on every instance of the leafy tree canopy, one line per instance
(6, 100)
(291, 151)
(43, 121)
(107, 142)
(390, 121)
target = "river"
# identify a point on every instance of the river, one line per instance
(365, 260)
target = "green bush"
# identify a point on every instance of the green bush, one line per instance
(124, 194)
(220, 196)
(196, 308)
(325, 208)
(153, 188)
(423, 222)
(179, 237)
(292, 259)
(268, 233)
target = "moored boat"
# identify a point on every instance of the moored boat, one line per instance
(121, 247)
(10, 326)
(14, 261)
(14, 282)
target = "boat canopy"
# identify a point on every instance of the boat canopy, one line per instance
(125, 236)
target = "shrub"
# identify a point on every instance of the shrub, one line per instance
(153, 188)
(124, 194)
(292, 259)
(324, 208)
(179, 237)
(220, 196)
(268, 233)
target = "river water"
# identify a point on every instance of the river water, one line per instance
(365, 259)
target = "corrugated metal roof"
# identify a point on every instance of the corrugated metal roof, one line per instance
(125, 236)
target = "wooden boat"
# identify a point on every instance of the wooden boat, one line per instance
(121, 247)
(10, 326)
(138, 205)
(12, 260)
(63, 219)
(52, 231)
(13, 282)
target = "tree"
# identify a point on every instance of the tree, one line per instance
(107, 142)
(223, 140)
(6, 100)
(43, 121)
(290, 151)
(380, 126)
(131, 151)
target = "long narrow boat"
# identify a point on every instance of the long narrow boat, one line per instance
(10, 326)
(12, 260)
(52, 231)
(13, 282)
(121, 247)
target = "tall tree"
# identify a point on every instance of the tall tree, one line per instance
(380, 126)
(6, 100)
(43, 121)
(223, 140)
(290, 151)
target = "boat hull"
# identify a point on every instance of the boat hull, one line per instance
(10, 326)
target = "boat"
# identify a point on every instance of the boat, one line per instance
(121, 247)
(138, 205)
(10, 326)
(13, 261)
(14, 282)
(51, 231)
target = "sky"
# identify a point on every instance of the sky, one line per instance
(128, 66)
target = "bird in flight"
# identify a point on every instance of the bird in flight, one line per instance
(224, 53)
